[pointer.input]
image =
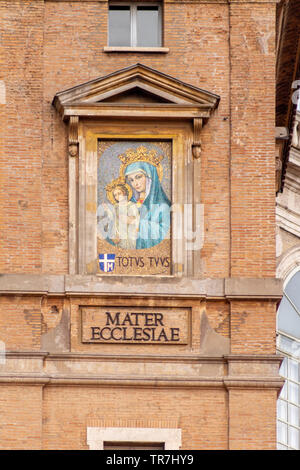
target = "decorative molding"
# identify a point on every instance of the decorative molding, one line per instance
(288, 202)
(239, 288)
(116, 110)
(108, 381)
(196, 146)
(142, 358)
(294, 158)
(224, 2)
(296, 132)
(292, 177)
(246, 383)
(179, 371)
(146, 382)
(281, 133)
(175, 98)
(92, 285)
(278, 162)
(26, 354)
(275, 358)
(73, 136)
(181, 358)
(288, 220)
(24, 379)
(289, 262)
(97, 436)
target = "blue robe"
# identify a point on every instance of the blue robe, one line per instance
(155, 210)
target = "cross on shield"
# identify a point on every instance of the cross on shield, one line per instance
(107, 262)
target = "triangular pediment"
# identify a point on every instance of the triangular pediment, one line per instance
(135, 95)
(134, 86)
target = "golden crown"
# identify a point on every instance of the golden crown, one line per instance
(120, 181)
(140, 154)
(117, 182)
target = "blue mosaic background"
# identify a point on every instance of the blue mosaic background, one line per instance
(109, 165)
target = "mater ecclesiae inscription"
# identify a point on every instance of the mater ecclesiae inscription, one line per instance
(135, 325)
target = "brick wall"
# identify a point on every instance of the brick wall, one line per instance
(201, 414)
(52, 46)
(49, 46)
(22, 148)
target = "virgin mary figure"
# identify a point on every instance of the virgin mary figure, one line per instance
(150, 198)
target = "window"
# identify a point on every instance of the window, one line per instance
(288, 405)
(135, 25)
(133, 446)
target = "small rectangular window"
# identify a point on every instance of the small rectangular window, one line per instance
(119, 25)
(135, 25)
(148, 33)
(133, 446)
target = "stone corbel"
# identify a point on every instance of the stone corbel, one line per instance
(296, 135)
(196, 146)
(73, 136)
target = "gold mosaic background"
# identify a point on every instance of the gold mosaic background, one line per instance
(156, 260)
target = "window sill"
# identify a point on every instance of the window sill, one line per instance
(161, 50)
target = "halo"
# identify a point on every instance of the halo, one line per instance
(110, 196)
(159, 168)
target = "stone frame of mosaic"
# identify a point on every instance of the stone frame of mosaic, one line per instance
(90, 135)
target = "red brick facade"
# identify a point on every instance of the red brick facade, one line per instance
(227, 48)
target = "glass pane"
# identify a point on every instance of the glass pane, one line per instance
(290, 346)
(148, 33)
(283, 393)
(293, 290)
(283, 368)
(294, 415)
(281, 447)
(288, 319)
(282, 409)
(293, 392)
(282, 432)
(294, 438)
(119, 26)
(293, 370)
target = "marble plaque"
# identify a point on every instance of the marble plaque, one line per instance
(143, 325)
(133, 207)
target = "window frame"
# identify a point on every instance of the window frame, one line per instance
(133, 22)
(170, 437)
(89, 134)
(288, 379)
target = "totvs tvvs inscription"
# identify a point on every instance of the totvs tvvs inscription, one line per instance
(134, 326)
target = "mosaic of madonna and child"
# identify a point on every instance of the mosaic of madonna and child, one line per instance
(134, 204)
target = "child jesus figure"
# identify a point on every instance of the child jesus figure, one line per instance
(125, 213)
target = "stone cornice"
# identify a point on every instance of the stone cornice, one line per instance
(145, 382)
(245, 382)
(226, 2)
(26, 354)
(190, 357)
(146, 286)
(288, 219)
(144, 370)
(253, 357)
(187, 358)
